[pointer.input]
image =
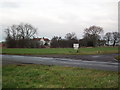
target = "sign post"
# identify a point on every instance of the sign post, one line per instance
(76, 46)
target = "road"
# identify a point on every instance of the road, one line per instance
(103, 58)
(16, 59)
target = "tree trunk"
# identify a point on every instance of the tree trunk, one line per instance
(114, 43)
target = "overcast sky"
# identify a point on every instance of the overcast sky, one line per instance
(58, 17)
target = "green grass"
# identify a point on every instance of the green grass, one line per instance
(117, 57)
(41, 51)
(41, 76)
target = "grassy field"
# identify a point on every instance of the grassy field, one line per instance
(41, 76)
(41, 51)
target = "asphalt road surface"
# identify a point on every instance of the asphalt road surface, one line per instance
(103, 58)
(16, 59)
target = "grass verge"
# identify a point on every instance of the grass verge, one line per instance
(41, 76)
(117, 57)
(71, 51)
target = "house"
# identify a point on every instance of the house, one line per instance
(43, 41)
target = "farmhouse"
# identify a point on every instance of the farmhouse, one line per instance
(43, 41)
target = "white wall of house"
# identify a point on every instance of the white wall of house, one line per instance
(42, 42)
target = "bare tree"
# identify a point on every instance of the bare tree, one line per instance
(108, 37)
(71, 36)
(20, 35)
(94, 30)
(55, 42)
(116, 38)
(70, 39)
(26, 31)
(92, 35)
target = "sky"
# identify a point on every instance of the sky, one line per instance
(59, 17)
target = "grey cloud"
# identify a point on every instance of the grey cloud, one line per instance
(58, 17)
(9, 4)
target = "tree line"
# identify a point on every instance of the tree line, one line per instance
(21, 36)
(92, 38)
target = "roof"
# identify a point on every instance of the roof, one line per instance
(45, 39)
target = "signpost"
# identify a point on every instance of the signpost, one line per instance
(76, 46)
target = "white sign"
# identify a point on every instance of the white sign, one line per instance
(76, 46)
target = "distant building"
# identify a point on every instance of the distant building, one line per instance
(44, 42)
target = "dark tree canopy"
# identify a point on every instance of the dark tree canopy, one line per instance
(55, 41)
(92, 35)
(20, 35)
(93, 30)
(71, 36)
(108, 37)
(22, 31)
(112, 38)
(116, 38)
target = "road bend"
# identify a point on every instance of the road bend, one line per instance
(16, 59)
